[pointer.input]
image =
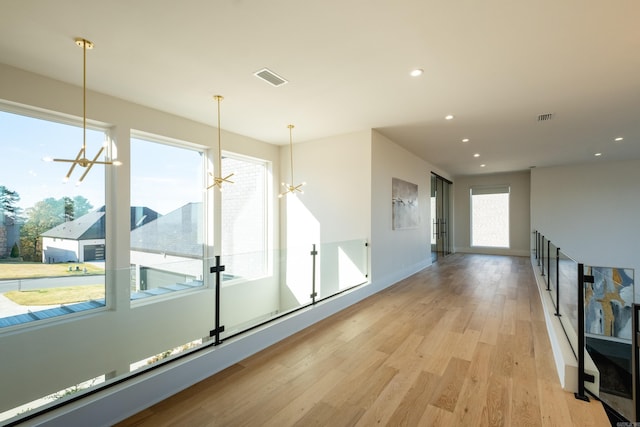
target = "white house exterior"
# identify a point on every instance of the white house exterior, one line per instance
(83, 239)
(79, 240)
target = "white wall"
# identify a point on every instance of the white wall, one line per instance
(591, 212)
(335, 207)
(396, 254)
(519, 212)
(337, 171)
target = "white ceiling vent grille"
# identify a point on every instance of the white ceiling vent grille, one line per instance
(270, 77)
(545, 117)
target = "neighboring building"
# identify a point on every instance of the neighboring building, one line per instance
(9, 235)
(83, 239)
(164, 248)
(166, 251)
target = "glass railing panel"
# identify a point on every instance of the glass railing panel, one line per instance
(342, 265)
(258, 287)
(167, 276)
(545, 260)
(75, 353)
(568, 286)
(54, 295)
(608, 329)
(552, 270)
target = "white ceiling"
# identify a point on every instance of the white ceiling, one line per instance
(494, 64)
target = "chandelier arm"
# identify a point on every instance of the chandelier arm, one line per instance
(73, 164)
(90, 165)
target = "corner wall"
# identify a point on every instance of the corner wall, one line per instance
(591, 212)
(396, 254)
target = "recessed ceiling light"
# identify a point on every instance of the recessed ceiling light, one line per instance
(482, 165)
(476, 155)
(449, 117)
(598, 154)
(618, 139)
(465, 140)
(417, 72)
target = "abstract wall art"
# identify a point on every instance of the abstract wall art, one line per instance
(608, 302)
(404, 201)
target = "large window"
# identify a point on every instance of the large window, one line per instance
(244, 217)
(490, 216)
(168, 238)
(52, 232)
(55, 238)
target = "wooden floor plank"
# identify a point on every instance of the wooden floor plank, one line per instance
(448, 391)
(410, 409)
(461, 343)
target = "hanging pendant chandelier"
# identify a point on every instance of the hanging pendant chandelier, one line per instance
(218, 180)
(81, 158)
(291, 188)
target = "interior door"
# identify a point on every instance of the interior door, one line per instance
(440, 217)
(434, 219)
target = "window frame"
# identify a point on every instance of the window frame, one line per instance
(205, 215)
(489, 190)
(42, 114)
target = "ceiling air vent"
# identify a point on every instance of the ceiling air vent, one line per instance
(270, 77)
(545, 117)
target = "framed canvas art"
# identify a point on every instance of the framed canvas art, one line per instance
(404, 201)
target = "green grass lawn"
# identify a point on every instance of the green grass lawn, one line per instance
(57, 296)
(27, 270)
(52, 296)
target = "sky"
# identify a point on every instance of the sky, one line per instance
(164, 177)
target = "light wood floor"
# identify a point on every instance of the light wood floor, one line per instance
(462, 343)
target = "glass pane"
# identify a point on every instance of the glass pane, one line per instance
(52, 233)
(168, 238)
(568, 284)
(244, 218)
(248, 301)
(341, 265)
(552, 272)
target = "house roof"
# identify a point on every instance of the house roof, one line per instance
(91, 226)
(176, 233)
(87, 227)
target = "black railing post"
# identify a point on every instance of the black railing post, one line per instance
(314, 294)
(582, 377)
(218, 328)
(558, 282)
(538, 247)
